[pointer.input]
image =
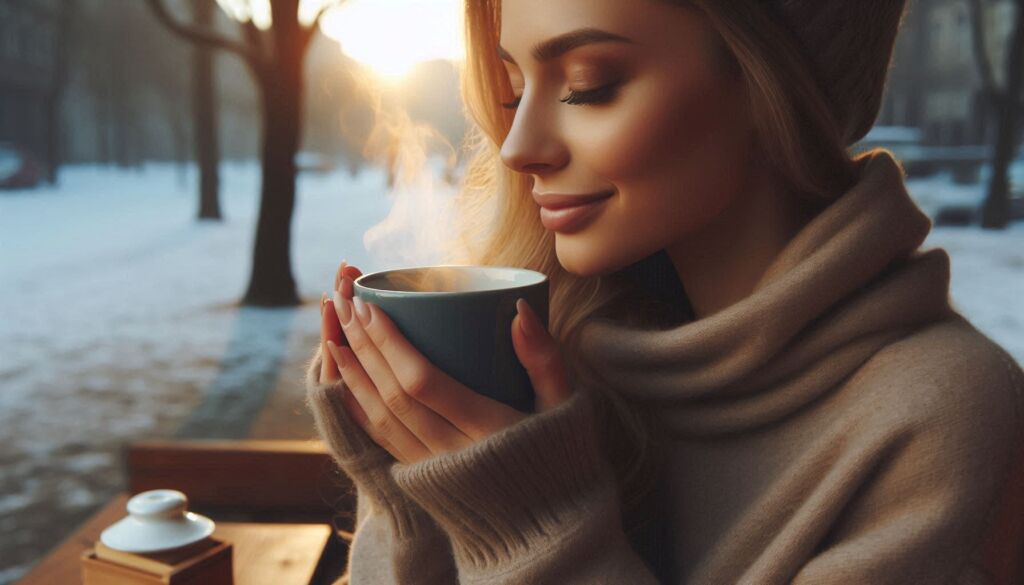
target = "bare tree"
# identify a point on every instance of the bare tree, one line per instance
(204, 115)
(275, 57)
(1008, 104)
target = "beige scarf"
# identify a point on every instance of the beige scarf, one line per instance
(848, 284)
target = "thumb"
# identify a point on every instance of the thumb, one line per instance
(540, 355)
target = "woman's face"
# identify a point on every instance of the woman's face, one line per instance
(653, 115)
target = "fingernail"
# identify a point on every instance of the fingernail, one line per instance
(323, 301)
(528, 320)
(339, 357)
(344, 312)
(337, 275)
(346, 291)
(362, 311)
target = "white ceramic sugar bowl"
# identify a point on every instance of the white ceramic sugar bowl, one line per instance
(158, 520)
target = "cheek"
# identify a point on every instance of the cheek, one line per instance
(667, 127)
(677, 155)
(676, 149)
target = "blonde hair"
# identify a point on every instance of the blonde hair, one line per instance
(499, 226)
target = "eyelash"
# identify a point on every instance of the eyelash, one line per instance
(600, 95)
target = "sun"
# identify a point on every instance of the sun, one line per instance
(392, 36)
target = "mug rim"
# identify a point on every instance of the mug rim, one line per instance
(543, 278)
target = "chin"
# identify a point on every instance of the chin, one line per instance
(581, 259)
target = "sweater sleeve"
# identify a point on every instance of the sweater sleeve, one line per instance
(396, 541)
(533, 503)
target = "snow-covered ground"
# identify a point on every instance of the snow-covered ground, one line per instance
(118, 323)
(118, 319)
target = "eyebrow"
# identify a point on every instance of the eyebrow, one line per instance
(557, 46)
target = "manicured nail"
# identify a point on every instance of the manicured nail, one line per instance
(339, 357)
(337, 275)
(362, 311)
(323, 301)
(344, 312)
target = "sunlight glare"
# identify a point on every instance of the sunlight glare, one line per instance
(392, 36)
(258, 11)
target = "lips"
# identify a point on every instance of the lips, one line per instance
(555, 201)
(573, 218)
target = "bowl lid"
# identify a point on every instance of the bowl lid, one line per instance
(157, 520)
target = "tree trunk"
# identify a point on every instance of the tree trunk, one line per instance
(271, 282)
(54, 134)
(204, 116)
(996, 211)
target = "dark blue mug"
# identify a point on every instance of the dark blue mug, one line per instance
(460, 318)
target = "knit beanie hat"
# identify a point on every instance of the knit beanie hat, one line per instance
(848, 45)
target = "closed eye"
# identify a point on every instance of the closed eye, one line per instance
(600, 95)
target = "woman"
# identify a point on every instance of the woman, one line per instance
(753, 373)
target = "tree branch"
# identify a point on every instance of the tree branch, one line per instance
(201, 36)
(253, 36)
(327, 7)
(315, 25)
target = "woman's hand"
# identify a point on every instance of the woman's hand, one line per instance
(407, 405)
(330, 330)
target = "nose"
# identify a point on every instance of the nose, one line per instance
(533, 145)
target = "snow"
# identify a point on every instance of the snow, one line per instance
(891, 134)
(119, 320)
(120, 324)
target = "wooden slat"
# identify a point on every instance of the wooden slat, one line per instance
(275, 479)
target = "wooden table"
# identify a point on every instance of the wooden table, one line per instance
(264, 553)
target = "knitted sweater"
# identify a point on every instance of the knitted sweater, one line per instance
(842, 424)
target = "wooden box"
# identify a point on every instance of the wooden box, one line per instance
(205, 563)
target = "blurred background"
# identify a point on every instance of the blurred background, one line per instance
(179, 180)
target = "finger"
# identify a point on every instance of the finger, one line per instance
(468, 411)
(431, 428)
(540, 355)
(345, 270)
(379, 422)
(330, 330)
(339, 274)
(334, 331)
(358, 415)
(347, 285)
(328, 369)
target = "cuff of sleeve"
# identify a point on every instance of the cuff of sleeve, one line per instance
(519, 490)
(360, 457)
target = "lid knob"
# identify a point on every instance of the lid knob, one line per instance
(156, 504)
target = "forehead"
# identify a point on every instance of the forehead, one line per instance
(524, 23)
(539, 19)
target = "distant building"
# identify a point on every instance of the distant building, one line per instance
(934, 83)
(28, 75)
